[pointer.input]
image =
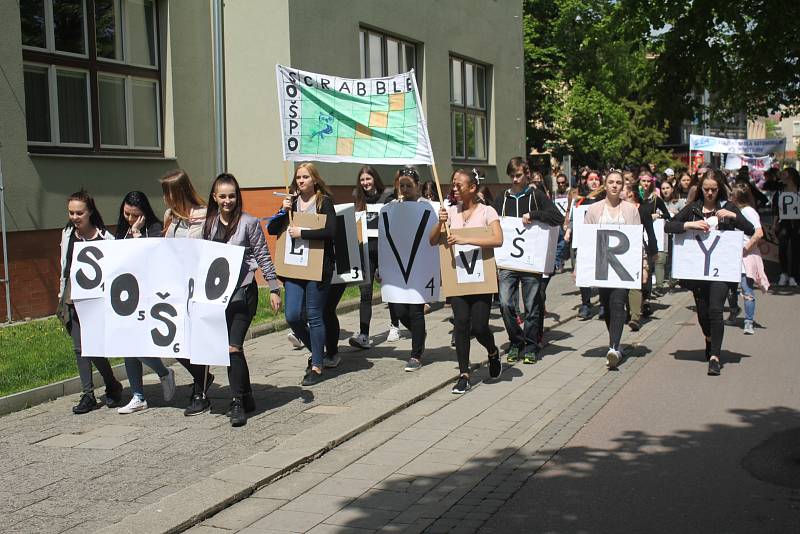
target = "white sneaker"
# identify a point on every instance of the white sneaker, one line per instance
(783, 280)
(612, 358)
(135, 405)
(168, 384)
(394, 333)
(748, 328)
(360, 341)
(792, 281)
(294, 341)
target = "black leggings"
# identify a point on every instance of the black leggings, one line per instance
(331, 320)
(471, 315)
(614, 299)
(365, 307)
(789, 248)
(709, 298)
(238, 315)
(413, 317)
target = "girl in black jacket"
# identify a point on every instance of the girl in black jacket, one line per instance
(309, 194)
(711, 212)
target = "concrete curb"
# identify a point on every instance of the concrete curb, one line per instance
(70, 386)
(194, 504)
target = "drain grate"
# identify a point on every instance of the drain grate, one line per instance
(777, 460)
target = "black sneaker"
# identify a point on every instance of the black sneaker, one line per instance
(198, 405)
(114, 395)
(647, 310)
(462, 386)
(713, 367)
(602, 313)
(634, 325)
(495, 367)
(249, 402)
(312, 378)
(731, 320)
(86, 404)
(236, 412)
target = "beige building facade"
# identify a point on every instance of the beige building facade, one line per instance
(108, 95)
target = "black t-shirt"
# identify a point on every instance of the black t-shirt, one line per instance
(219, 235)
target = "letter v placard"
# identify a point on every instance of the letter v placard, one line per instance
(423, 224)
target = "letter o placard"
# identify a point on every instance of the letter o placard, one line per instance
(219, 273)
(125, 283)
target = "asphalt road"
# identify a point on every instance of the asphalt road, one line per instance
(678, 451)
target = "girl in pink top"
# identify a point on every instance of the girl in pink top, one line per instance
(470, 312)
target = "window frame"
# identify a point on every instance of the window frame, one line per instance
(363, 40)
(468, 112)
(95, 67)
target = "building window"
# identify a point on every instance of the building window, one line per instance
(796, 128)
(468, 124)
(92, 76)
(383, 55)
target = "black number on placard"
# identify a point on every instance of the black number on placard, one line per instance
(125, 294)
(89, 256)
(355, 273)
(163, 312)
(176, 347)
(217, 278)
(716, 271)
(225, 300)
(430, 285)
(141, 315)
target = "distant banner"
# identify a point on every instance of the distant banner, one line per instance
(722, 145)
(368, 121)
(734, 162)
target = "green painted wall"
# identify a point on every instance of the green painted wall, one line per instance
(36, 186)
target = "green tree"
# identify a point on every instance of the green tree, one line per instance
(745, 52)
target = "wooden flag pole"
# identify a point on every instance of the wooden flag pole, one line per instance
(286, 184)
(441, 197)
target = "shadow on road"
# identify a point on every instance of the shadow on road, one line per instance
(687, 481)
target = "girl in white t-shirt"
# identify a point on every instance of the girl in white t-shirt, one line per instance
(752, 265)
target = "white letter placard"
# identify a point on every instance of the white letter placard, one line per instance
(713, 255)
(469, 264)
(408, 264)
(578, 215)
(528, 248)
(347, 263)
(789, 205)
(296, 251)
(158, 297)
(610, 256)
(372, 219)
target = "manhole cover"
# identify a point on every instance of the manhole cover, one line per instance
(777, 460)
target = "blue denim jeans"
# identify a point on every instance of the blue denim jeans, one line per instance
(526, 338)
(309, 327)
(749, 295)
(561, 246)
(133, 366)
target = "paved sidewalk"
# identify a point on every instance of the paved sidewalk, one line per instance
(448, 462)
(83, 473)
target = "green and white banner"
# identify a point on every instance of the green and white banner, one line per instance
(371, 120)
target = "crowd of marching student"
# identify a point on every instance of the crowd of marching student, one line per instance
(703, 201)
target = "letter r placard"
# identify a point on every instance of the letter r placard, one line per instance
(609, 256)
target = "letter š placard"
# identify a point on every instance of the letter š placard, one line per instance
(528, 248)
(610, 256)
(155, 297)
(408, 265)
(713, 255)
(453, 259)
(347, 264)
(314, 248)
